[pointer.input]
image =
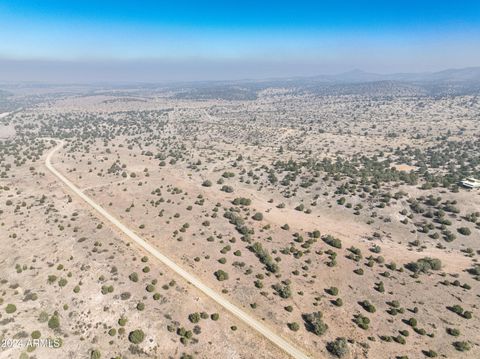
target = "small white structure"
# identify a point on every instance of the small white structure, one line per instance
(470, 182)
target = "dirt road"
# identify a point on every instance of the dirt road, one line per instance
(239, 313)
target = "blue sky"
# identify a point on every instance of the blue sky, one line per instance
(296, 37)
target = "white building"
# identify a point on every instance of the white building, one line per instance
(470, 183)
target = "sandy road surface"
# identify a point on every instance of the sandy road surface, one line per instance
(239, 313)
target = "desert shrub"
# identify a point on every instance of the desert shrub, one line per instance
(215, 316)
(207, 183)
(430, 353)
(456, 309)
(338, 347)
(358, 271)
(242, 201)
(369, 307)
(106, 289)
(467, 314)
(424, 265)
(464, 231)
(380, 287)
(125, 295)
(412, 322)
(453, 332)
(221, 275)
(462, 346)
(338, 302)
(257, 216)
(300, 207)
(194, 317)
(10, 308)
(264, 257)
(314, 323)
(332, 291)
(294, 326)
(227, 189)
(332, 241)
(136, 336)
(283, 291)
(54, 322)
(361, 321)
(95, 354)
(43, 317)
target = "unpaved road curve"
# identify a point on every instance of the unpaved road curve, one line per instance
(239, 313)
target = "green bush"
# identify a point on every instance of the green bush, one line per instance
(412, 322)
(338, 302)
(453, 332)
(332, 291)
(369, 307)
(194, 317)
(54, 322)
(464, 231)
(462, 346)
(338, 347)
(283, 291)
(361, 321)
(424, 265)
(136, 336)
(257, 216)
(314, 323)
(241, 201)
(467, 314)
(264, 257)
(332, 241)
(221, 275)
(430, 353)
(10, 308)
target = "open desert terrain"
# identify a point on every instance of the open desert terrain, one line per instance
(332, 216)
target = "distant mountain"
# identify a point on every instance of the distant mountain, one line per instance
(470, 74)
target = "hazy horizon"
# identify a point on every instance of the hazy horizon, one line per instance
(152, 42)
